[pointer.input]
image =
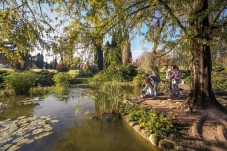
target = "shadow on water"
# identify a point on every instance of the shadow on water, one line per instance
(77, 130)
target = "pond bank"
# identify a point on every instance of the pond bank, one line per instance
(211, 130)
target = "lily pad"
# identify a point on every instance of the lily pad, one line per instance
(42, 135)
(5, 147)
(21, 117)
(54, 121)
(26, 135)
(37, 131)
(6, 140)
(30, 141)
(22, 141)
(47, 127)
(13, 134)
(14, 147)
(18, 139)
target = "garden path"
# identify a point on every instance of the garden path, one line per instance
(197, 129)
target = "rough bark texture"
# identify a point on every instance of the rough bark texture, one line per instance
(201, 91)
(125, 52)
(99, 57)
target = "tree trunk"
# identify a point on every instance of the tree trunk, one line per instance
(125, 52)
(98, 58)
(201, 91)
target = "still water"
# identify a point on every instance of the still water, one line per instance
(76, 130)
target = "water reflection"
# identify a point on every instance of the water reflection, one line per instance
(76, 131)
(14, 109)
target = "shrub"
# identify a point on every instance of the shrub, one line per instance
(88, 70)
(45, 78)
(138, 80)
(61, 79)
(62, 67)
(219, 83)
(116, 73)
(219, 78)
(151, 120)
(6, 93)
(20, 82)
(2, 74)
(38, 91)
(73, 76)
(106, 76)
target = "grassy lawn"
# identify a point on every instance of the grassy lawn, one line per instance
(6, 69)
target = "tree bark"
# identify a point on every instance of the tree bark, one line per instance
(125, 52)
(98, 56)
(202, 94)
(201, 91)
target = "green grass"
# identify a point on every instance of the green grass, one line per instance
(6, 69)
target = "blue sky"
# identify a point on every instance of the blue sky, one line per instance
(138, 44)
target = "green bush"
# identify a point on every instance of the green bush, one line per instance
(116, 73)
(219, 83)
(6, 93)
(219, 78)
(87, 70)
(218, 68)
(20, 82)
(151, 120)
(61, 79)
(38, 91)
(2, 74)
(138, 80)
(45, 78)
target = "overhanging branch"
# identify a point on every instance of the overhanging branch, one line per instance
(218, 13)
(169, 10)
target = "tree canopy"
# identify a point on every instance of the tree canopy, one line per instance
(169, 26)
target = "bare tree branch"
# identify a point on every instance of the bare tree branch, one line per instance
(171, 49)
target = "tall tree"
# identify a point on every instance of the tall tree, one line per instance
(126, 51)
(201, 25)
(22, 26)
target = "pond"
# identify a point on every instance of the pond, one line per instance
(71, 124)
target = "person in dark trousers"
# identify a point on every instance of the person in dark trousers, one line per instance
(169, 77)
(176, 81)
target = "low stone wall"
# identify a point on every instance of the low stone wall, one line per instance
(157, 141)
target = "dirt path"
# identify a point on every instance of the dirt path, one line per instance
(197, 129)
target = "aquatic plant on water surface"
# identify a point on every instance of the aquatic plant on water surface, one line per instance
(108, 96)
(151, 120)
(24, 130)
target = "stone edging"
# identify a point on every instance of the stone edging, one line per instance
(155, 140)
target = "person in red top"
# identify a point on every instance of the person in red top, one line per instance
(176, 81)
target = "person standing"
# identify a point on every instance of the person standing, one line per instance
(176, 81)
(169, 77)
